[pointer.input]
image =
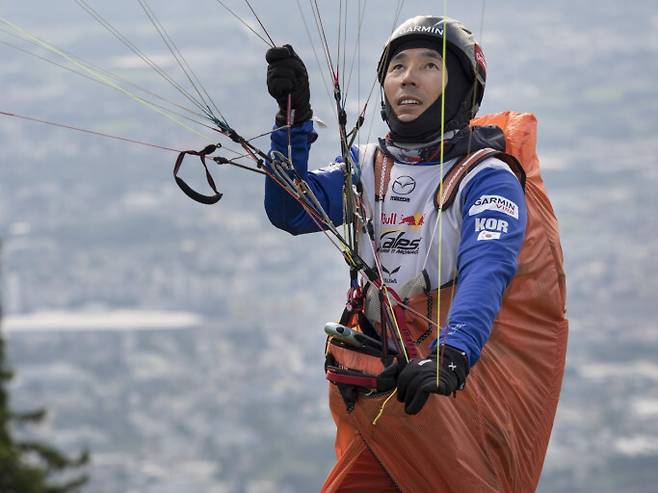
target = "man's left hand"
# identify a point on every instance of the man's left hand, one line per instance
(419, 377)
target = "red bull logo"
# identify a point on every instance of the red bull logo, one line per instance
(415, 221)
(391, 218)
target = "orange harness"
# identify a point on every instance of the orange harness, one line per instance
(493, 437)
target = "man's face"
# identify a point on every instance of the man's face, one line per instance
(414, 80)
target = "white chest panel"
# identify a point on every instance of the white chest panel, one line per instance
(406, 223)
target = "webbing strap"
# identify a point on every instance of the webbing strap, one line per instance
(379, 165)
(458, 172)
(188, 190)
(334, 375)
(407, 338)
(398, 313)
(453, 178)
(455, 175)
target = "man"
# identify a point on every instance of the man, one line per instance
(481, 235)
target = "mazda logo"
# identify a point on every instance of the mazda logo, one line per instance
(404, 185)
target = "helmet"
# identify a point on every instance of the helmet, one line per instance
(459, 41)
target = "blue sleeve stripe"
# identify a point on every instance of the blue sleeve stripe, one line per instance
(493, 228)
(284, 211)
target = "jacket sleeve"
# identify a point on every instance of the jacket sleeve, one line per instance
(284, 211)
(494, 219)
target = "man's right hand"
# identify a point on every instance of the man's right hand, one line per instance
(286, 75)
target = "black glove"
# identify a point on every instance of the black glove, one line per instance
(388, 379)
(286, 74)
(418, 378)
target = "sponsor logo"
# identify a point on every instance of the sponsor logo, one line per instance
(404, 185)
(489, 235)
(479, 57)
(491, 224)
(396, 241)
(395, 219)
(399, 199)
(389, 279)
(390, 219)
(435, 29)
(392, 271)
(415, 221)
(425, 361)
(494, 203)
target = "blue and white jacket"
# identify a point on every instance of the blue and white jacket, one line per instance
(481, 233)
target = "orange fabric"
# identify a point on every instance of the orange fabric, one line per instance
(358, 471)
(493, 436)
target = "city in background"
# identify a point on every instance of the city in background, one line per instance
(183, 344)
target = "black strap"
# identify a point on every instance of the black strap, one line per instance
(188, 190)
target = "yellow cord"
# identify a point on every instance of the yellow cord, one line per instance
(440, 211)
(381, 409)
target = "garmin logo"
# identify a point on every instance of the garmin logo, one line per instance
(436, 29)
(494, 203)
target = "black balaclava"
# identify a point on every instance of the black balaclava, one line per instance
(427, 127)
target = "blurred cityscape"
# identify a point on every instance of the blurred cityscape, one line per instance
(182, 344)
